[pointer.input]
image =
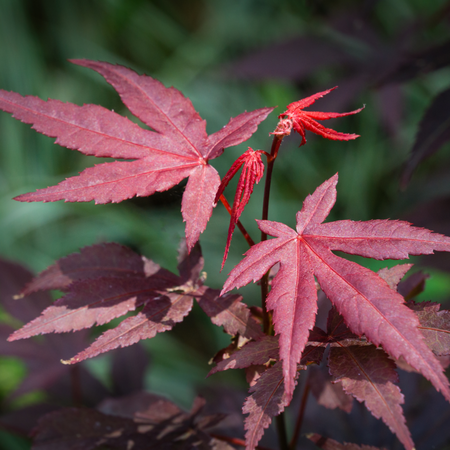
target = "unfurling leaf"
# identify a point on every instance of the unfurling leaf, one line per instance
(252, 173)
(295, 117)
(179, 146)
(365, 301)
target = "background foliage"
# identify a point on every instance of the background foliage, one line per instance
(227, 57)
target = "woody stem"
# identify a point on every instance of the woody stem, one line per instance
(239, 224)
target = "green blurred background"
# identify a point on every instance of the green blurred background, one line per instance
(204, 49)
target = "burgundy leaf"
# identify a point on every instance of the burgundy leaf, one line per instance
(434, 325)
(228, 311)
(254, 353)
(413, 285)
(328, 394)
(178, 148)
(90, 304)
(96, 299)
(190, 264)
(158, 315)
(331, 444)
(434, 132)
(268, 399)
(103, 260)
(13, 277)
(161, 425)
(369, 375)
(366, 302)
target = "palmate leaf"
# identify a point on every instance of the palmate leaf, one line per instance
(365, 301)
(178, 148)
(268, 397)
(368, 374)
(107, 281)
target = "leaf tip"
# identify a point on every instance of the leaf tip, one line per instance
(67, 362)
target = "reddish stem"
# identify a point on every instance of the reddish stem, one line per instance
(236, 441)
(244, 232)
(281, 426)
(265, 214)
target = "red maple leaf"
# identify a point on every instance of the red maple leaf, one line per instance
(107, 281)
(252, 173)
(177, 148)
(295, 117)
(365, 301)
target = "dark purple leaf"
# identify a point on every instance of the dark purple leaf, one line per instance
(254, 353)
(228, 311)
(434, 130)
(369, 375)
(328, 394)
(268, 399)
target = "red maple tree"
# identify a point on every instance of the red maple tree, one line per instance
(370, 331)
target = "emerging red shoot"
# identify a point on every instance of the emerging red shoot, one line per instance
(251, 173)
(295, 117)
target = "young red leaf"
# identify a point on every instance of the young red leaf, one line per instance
(366, 302)
(178, 148)
(252, 173)
(295, 117)
(267, 401)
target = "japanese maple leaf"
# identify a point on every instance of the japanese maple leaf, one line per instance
(107, 281)
(365, 301)
(179, 146)
(295, 117)
(252, 173)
